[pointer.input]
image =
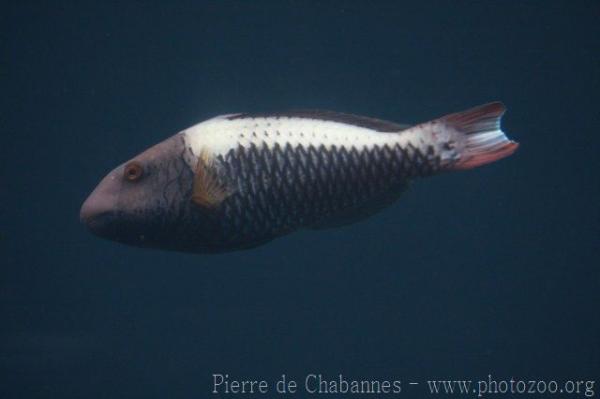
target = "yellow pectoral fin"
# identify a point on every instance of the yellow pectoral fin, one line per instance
(208, 192)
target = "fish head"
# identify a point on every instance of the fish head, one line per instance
(141, 201)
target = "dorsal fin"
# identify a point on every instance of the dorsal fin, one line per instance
(207, 191)
(350, 119)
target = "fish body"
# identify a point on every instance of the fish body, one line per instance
(238, 181)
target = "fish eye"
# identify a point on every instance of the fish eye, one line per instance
(133, 171)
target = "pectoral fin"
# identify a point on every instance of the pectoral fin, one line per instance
(208, 191)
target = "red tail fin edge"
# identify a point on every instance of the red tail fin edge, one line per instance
(474, 160)
(484, 141)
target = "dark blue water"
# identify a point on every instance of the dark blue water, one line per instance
(489, 271)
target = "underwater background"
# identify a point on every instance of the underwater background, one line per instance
(489, 271)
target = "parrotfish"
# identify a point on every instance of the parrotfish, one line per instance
(238, 181)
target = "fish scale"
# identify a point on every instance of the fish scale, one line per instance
(282, 188)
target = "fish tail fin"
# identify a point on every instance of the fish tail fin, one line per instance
(479, 136)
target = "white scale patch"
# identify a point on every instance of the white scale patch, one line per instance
(219, 135)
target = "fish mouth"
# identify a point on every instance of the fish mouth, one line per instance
(98, 222)
(96, 212)
(102, 224)
(100, 214)
(116, 226)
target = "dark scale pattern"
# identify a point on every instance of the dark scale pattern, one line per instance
(279, 189)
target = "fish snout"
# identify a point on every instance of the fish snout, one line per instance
(101, 204)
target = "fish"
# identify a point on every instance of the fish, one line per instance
(238, 181)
